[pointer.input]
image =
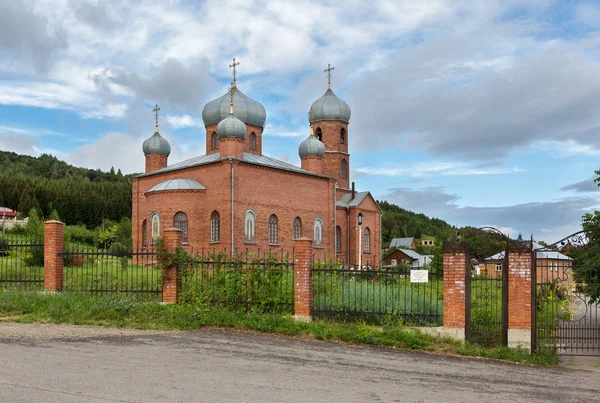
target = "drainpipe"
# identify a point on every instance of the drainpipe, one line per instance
(335, 240)
(232, 206)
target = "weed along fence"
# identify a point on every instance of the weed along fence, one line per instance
(519, 297)
(21, 263)
(376, 295)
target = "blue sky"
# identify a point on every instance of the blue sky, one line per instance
(476, 112)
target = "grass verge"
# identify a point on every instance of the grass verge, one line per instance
(82, 309)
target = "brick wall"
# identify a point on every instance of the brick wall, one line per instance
(155, 162)
(258, 131)
(455, 272)
(53, 261)
(335, 151)
(171, 283)
(303, 285)
(519, 289)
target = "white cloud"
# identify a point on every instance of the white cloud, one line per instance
(437, 168)
(183, 121)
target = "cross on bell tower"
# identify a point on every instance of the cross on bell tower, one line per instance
(328, 70)
(155, 110)
(234, 64)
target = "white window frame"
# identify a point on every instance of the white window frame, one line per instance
(249, 226)
(499, 267)
(318, 233)
(215, 226)
(155, 224)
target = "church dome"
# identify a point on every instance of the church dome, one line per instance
(311, 147)
(330, 107)
(231, 127)
(247, 110)
(156, 145)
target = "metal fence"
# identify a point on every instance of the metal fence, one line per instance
(21, 263)
(413, 295)
(263, 283)
(132, 273)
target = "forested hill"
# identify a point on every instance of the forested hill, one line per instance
(79, 195)
(399, 223)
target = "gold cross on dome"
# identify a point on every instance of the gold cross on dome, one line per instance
(231, 97)
(155, 110)
(234, 70)
(328, 70)
(311, 114)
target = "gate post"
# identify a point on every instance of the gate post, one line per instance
(172, 238)
(519, 297)
(456, 270)
(53, 260)
(303, 287)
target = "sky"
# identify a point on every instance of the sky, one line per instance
(482, 113)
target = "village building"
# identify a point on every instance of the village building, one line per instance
(235, 199)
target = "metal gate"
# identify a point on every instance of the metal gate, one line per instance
(487, 288)
(566, 277)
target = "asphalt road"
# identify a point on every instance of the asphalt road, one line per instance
(71, 364)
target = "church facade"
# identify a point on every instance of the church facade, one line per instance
(234, 199)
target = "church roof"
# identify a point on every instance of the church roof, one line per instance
(347, 201)
(247, 157)
(178, 184)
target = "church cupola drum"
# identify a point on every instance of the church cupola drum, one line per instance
(329, 119)
(156, 148)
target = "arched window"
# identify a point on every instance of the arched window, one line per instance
(367, 240)
(338, 239)
(144, 233)
(155, 220)
(214, 141)
(344, 169)
(180, 221)
(252, 141)
(215, 227)
(318, 233)
(273, 229)
(249, 220)
(343, 136)
(319, 133)
(297, 228)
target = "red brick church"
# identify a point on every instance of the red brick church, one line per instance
(234, 198)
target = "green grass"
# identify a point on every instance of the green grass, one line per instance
(358, 295)
(82, 309)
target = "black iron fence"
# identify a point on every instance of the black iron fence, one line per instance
(567, 297)
(21, 263)
(132, 273)
(263, 283)
(413, 295)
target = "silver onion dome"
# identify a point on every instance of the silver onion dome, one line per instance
(247, 110)
(330, 107)
(311, 147)
(231, 127)
(156, 145)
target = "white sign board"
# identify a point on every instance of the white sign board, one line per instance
(419, 276)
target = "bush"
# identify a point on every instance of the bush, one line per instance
(79, 233)
(4, 247)
(36, 257)
(73, 260)
(119, 249)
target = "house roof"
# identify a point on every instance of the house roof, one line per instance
(247, 157)
(539, 254)
(178, 184)
(6, 212)
(399, 242)
(418, 259)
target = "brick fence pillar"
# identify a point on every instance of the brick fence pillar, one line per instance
(519, 298)
(53, 260)
(303, 287)
(455, 276)
(172, 238)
